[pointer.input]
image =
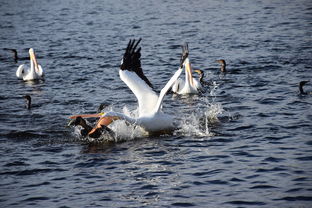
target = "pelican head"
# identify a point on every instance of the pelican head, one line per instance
(33, 58)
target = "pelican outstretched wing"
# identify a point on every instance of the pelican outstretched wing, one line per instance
(132, 74)
(173, 79)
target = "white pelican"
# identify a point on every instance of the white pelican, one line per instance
(151, 118)
(34, 73)
(190, 85)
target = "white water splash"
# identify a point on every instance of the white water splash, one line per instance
(190, 126)
(213, 89)
(125, 131)
(194, 124)
(213, 111)
(197, 123)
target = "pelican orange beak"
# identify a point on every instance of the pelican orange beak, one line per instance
(72, 121)
(96, 115)
(188, 69)
(33, 58)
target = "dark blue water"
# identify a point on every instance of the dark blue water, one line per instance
(255, 150)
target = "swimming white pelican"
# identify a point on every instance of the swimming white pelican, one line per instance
(151, 118)
(190, 85)
(34, 73)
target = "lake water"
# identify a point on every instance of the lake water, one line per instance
(245, 142)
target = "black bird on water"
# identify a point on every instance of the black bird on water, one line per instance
(28, 101)
(223, 65)
(14, 51)
(29, 104)
(302, 92)
(201, 77)
(15, 55)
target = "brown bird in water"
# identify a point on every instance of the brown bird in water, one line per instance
(223, 65)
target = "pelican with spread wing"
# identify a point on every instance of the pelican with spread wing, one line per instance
(151, 117)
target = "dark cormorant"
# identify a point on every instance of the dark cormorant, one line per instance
(28, 101)
(201, 77)
(14, 51)
(301, 84)
(223, 65)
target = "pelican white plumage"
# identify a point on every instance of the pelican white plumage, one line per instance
(151, 118)
(190, 85)
(35, 71)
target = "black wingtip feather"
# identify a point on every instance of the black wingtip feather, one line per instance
(131, 60)
(136, 45)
